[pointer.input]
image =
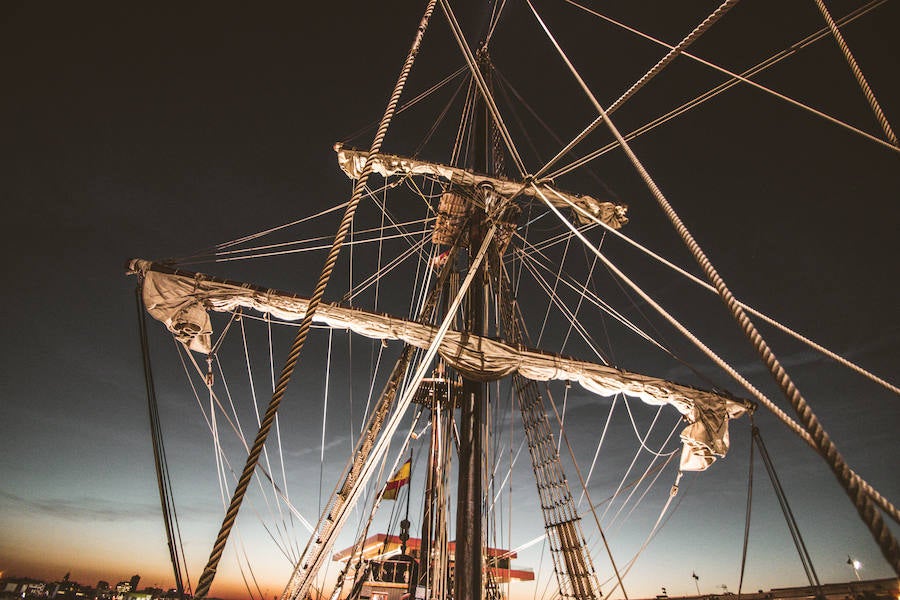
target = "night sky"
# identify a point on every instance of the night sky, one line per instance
(157, 131)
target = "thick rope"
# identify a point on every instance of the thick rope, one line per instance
(774, 323)
(655, 70)
(749, 82)
(861, 500)
(882, 502)
(361, 465)
(293, 358)
(857, 72)
(722, 87)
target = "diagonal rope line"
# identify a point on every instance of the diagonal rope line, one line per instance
(637, 85)
(412, 102)
(845, 476)
(598, 302)
(880, 500)
(360, 469)
(378, 230)
(222, 462)
(715, 91)
(749, 82)
(293, 358)
(482, 87)
(857, 72)
(778, 325)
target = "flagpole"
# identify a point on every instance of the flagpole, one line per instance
(409, 488)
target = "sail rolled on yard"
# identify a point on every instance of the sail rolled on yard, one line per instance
(182, 300)
(387, 165)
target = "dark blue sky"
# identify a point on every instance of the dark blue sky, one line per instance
(156, 131)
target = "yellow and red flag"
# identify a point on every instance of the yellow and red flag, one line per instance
(400, 478)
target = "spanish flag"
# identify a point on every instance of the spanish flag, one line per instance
(400, 478)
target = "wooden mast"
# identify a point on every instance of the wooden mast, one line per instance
(468, 554)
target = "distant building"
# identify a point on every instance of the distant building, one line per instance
(66, 590)
(123, 587)
(22, 587)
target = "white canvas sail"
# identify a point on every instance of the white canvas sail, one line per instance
(386, 165)
(182, 301)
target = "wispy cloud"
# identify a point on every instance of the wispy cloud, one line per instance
(886, 342)
(755, 367)
(83, 508)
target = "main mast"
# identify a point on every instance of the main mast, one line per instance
(468, 559)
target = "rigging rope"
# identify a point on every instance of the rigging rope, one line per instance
(293, 358)
(284, 527)
(483, 87)
(591, 296)
(410, 103)
(748, 511)
(581, 297)
(324, 417)
(439, 119)
(649, 469)
(609, 415)
(861, 500)
(209, 418)
(378, 230)
(163, 482)
(642, 444)
(715, 91)
(788, 513)
(653, 72)
(882, 502)
(313, 248)
(857, 72)
(515, 114)
(359, 469)
(495, 20)
(264, 232)
(653, 530)
(582, 331)
(564, 531)
(749, 82)
(552, 293)
(280, 525)
(778, 325)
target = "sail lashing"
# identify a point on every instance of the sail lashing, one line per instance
(388, 165)
(181, 301)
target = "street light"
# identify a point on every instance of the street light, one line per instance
(855, 565)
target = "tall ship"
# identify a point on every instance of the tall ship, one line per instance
(469, 369)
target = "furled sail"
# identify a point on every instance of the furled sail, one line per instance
(181, 300)
(352, 161)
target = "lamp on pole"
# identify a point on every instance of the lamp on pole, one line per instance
(855, 565)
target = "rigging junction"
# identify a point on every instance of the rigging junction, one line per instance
(469, 331)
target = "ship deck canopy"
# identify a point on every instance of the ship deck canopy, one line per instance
(383, 546)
